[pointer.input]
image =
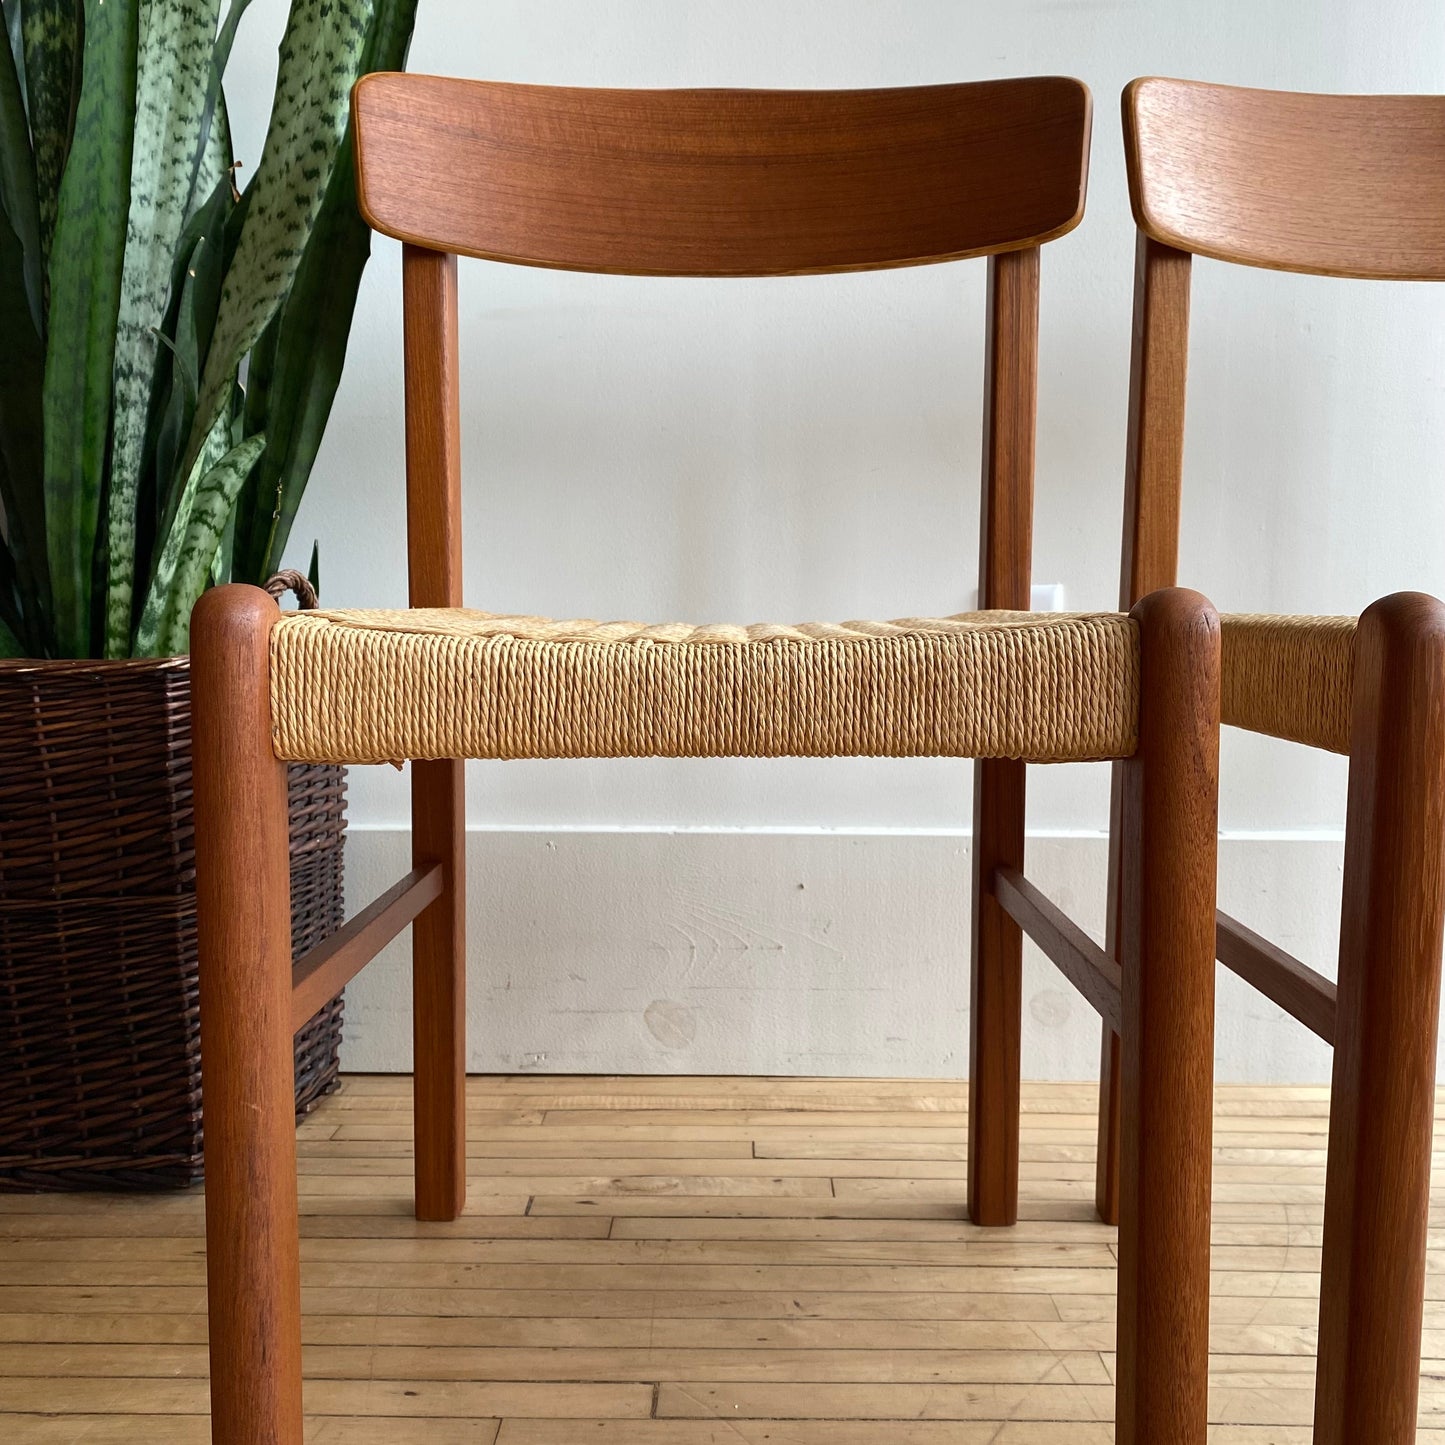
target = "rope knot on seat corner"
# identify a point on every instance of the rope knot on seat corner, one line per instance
(374, 686)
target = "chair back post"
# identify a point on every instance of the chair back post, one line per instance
(1149, 558)
(1010, 408)
(438, 797)
(1154, 458)
(1005, 546)
(433, 428)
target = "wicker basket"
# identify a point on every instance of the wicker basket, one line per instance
(100, 1081)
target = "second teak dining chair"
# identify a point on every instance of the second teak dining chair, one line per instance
(1344, 186)
(707, 183)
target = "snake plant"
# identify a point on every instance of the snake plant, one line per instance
(170, 346)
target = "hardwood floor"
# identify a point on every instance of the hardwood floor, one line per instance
(673, 1261)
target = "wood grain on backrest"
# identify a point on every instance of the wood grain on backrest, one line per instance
(720, 182)
(1333, 185)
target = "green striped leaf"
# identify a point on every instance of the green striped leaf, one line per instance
(221, 563)
(185, 335)
(22, 358)
(216, 157)
(11, 10)
(52, 31)
(12, 607)
(204, 251)
(22, 484)
(10, 645)
(296, 365)
(17, 180)
(172, 534)
(85, 270)
(211, 235)
(191, 549)
(173, 72)
(321, 54)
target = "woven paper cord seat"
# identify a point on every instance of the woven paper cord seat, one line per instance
(377, 686)
(1290, 677)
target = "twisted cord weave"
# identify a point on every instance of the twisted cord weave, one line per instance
(1289, 677)
(363, 687)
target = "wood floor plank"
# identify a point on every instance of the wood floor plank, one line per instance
(588, 1304)
(804, 1432)
(627, 1277)
(1054, 1401)
(652, 1182)
(67, 1429)
(315, 1226)
(485, 1156)
(973, 1253)
(433, 1362)
(114, 1395)
(563, 1333)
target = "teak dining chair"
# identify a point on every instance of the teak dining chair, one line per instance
(1350, 186)
(704, 183)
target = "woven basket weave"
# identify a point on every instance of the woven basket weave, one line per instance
(100, 1081)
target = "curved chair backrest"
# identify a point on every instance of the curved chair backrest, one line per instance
(720, 182)
(1333, 185)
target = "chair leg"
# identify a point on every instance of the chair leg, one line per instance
(243, 899)
(1377, 1191)
(995, 998)
(1167, 1014)
(439, 1003)
(1107, 1154)
(1107, 1148)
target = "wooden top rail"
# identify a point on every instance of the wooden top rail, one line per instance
(1300, 991)
(720, 182)
(1097, 976)
(330, 966)
(1331, 185)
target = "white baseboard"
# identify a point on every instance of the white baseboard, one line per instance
(793, 952)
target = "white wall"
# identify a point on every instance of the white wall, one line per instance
(809, 448)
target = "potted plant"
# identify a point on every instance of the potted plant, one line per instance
(170, 346)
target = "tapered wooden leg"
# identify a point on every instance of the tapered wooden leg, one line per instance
(439, 1002)
(1111, 1059)
(1167, 885)
(1377, 1192)
(243, 893)
(1111, 1100)
(995, 998)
